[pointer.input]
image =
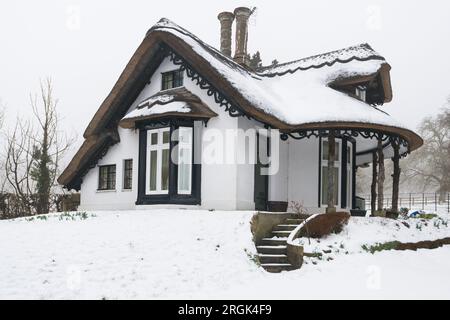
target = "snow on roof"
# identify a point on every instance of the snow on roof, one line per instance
(161, 99)
(362, 52)
(174, 106)
(300, 93)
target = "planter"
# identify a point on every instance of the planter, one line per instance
(358, 213)
(277, 206)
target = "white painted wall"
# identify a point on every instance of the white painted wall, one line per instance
(120, 199)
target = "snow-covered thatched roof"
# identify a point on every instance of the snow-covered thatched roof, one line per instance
(306, 94)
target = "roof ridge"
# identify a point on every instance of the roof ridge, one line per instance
(266, 71)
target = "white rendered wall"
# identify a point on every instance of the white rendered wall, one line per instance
(119, 199)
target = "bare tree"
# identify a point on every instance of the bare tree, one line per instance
(430, 165)
(33, 153)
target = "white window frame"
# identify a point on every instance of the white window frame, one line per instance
(159, 147)
(337, 164)
(187, 146)
(360, 92)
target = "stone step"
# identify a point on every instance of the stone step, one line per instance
(272, 258)
(278, 267)
(285, 227)
(273, 241)
(281, 234)
(294, 221)
(271, 249)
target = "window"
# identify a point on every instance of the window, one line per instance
(107, 177)
(127, 174)
(184, 160)
(324, 172)
(172, 79)
(158, 161)
(360, 92)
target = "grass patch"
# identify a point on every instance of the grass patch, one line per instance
(391, 245)
(427, 216)
(72, 216)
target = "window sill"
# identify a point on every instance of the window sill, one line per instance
(162, 91)
(106, 191)
(127, 190)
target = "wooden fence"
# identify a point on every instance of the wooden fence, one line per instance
(418, 201)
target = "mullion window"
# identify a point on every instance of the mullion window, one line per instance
(336, 172)
(158, 161)
(172, 79)
(128, 174)
(107, 177)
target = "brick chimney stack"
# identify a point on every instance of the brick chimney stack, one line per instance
(226, 22)
(242, 15)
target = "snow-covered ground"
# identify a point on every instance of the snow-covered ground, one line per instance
(195, 254)
(370, 231)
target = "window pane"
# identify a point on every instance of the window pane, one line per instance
(165, 170)
(111, 177)
(166, 136)
(153, 164)
(128, 174)
(184, 170)
(325, 151)
(178, 82)
(102, 178)
(154, 138)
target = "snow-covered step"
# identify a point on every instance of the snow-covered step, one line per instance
(271, 249)
(294, 221)
(277, 267)
(273, 241)
(281, 234)
(273, 258)
(285, 227)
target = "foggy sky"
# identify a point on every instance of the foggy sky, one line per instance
(84, 45)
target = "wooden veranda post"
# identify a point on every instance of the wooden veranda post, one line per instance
(373, 187)
(330, 192)
(381, 175)
(395, 175)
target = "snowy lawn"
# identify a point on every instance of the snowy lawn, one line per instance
(193, 254)
(362, 233)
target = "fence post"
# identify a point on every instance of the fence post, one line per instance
(410, 207)
(423, 201)
(435, 202)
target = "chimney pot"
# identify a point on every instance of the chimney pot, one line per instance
(242, 15)
(226, 21)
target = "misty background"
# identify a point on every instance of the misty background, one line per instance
(84, 46)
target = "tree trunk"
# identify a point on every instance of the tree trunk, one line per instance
(381, 175)
(373, 187)
(395, 175)
(331, 151)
